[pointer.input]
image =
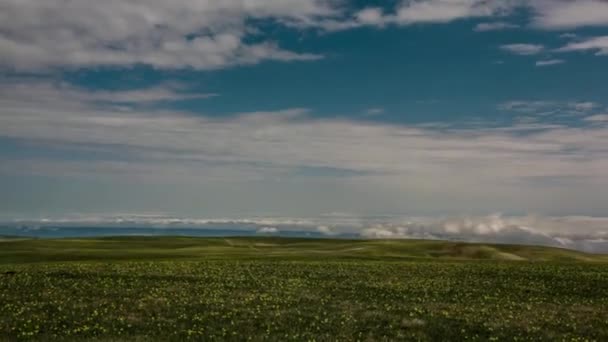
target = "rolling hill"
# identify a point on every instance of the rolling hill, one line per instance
(141, 248)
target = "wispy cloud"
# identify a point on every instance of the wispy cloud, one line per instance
(60, 93)
(597, 44)
(550, 107)
(374, 111)
(599, 118)
(168, 147)
(523, 49)
(549, 62)
(494, 26)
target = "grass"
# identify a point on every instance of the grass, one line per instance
(171, 248)
(138, 288)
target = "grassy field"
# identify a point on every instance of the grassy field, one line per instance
(143, 289)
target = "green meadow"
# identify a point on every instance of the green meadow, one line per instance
(176, 289)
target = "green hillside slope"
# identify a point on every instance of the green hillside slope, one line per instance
(138, 248)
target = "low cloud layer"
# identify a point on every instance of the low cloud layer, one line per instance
(584, 233)
(267, 230)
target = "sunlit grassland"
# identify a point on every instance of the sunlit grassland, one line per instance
(295, 289)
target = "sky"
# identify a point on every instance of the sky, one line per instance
(306, 108)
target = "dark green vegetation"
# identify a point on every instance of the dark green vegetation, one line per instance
(288, 289)
(172, 248)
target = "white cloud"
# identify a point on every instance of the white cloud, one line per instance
(489, 164)
(598, 44)
(597, 118)
(494, 26)
(441, 11)
(49, 92)
(215, 34)
(410, 12)
(268, 230)
(523, 49)
(325, 230)
(546, 108)
(527, 106)
(370, 16)
(549, 62)
(584, 233)
(182, 33)
(574, 232)
(546, 14)
(560, 14)
(583, 106)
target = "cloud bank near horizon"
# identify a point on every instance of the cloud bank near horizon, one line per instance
(588, 234)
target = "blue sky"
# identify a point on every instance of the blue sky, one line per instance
(302, 108)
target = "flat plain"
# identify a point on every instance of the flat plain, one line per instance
(178, 288)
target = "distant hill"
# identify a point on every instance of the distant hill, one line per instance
(11, 237)
(146, 248)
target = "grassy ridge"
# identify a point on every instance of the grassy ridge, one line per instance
(149, 248)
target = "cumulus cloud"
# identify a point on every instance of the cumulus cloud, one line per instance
(217, 34)
(549, 62)
(196, 34)
(560, 14)
(325, 230)
(582, 233)
(370, 16)
(447, 10)
(268, 230)
(546, 14)
(206, 35)
(412, 12)
(523, 49)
